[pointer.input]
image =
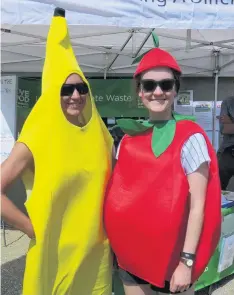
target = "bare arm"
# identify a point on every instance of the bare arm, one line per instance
(225, 120)
(181, 278)
(227, 125)
(198, 185)
(19, 159)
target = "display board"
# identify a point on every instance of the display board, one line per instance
(8, 115)
(202, 111)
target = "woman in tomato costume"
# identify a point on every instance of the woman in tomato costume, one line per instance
(163, 204)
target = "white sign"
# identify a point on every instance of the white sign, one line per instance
(111, 121)
(227, 253)
(183, 104)
(202, 110)
(210, 136)
(7, 115)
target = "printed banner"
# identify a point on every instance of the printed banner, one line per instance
(29, 90)
(117, 98)
(171, 14)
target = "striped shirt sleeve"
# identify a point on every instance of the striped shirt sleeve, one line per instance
(117, 151)
(194, 153)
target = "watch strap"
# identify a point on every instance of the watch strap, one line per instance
(187, 255)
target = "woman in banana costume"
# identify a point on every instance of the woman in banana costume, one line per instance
(64, 155)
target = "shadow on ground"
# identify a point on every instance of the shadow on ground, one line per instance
(12, 276)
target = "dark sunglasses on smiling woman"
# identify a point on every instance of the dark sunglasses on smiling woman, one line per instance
(149, 85)
(68, 89)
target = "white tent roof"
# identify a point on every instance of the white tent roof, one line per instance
(109, 49)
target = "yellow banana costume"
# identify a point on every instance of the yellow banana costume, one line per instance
(71, 254)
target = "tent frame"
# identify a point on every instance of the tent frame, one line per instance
(105, 49)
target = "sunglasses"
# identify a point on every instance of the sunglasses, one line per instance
(149, 85)
(68, 89)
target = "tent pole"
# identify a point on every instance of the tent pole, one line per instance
(216, 54)
(227, 64)
(188, 41)
(143, 43)
(121, 49)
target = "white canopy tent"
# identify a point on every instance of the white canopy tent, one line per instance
(108, 35)
(111, 50)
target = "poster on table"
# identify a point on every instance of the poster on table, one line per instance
(183, 103)
(7, 115)
(227, 253)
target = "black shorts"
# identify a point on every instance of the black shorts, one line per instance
(130, 279)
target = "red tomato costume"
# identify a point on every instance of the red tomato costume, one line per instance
(147, 204)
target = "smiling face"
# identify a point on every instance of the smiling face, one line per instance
(157, 91)
(74, 94)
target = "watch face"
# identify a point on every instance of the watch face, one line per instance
(189, 262)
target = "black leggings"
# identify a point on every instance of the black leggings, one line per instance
(130, 279)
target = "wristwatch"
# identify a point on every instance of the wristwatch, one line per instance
(187, 259)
